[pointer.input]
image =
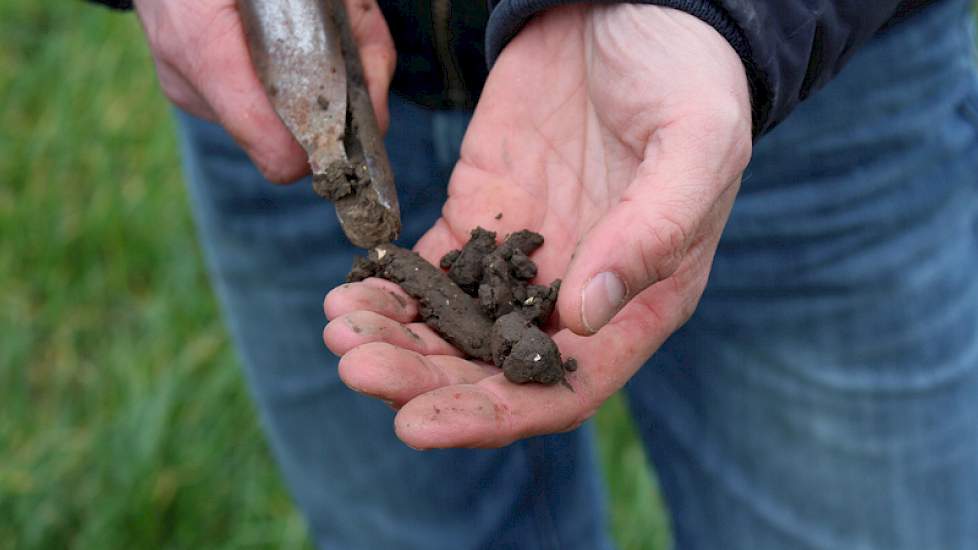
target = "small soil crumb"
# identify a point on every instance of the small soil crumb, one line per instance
(499, 216)
(523, 266)
(524, 241)
(505, 271)
(534, 358)
(448, 259)
(540, 301)
(465, 268)
(363, 269)
(340, 180)
(570, 365)
(484, 305)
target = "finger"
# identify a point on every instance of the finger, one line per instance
(492, 413)
(225, 78)
(376, 295)
(495, 412)
(398, 375)
(181, 93)
(361, 327)
(377, 53)
(643, 239)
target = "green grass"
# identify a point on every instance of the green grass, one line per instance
(124, 421)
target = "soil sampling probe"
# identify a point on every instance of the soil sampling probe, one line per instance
(307, 60)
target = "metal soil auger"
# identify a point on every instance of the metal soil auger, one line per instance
(308, 62)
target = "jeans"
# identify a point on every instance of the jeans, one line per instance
(824, 394)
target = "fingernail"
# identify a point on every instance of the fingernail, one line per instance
(601, 298)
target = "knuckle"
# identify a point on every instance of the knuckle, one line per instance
(661, 246)
(262, 158)
(275, 172)
(177, 91)
(273, 156)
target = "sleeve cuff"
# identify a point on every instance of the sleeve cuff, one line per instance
(114, 4)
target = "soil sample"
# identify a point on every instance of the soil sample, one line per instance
(484, 303)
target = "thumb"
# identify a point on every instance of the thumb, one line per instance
(640, 241)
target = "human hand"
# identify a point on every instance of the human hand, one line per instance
(204, 67)
(619, 133)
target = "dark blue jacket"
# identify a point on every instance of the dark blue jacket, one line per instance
(789, 47)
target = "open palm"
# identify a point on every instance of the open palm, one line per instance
(619, 133)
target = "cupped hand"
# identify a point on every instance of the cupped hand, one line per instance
(204, 67)
(619, 133)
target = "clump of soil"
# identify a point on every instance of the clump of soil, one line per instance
(484, 304)
(340, 180)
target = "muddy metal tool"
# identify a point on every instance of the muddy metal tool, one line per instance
(305, 56)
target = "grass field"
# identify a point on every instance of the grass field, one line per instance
(124, 422)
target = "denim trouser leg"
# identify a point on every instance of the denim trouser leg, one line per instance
(273, 253)
(825, 393)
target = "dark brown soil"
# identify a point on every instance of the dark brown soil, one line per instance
(453, 314)
(366, 219)
(484, 304)
(341, 179)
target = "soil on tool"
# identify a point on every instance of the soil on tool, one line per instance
(341, 179)
(484, 303)
(365, 218)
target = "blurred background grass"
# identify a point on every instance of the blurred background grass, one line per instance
(124, 422)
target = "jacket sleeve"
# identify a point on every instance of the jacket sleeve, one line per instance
(790, 48)
(115, 4)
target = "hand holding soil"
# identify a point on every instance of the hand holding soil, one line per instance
(484, 304)
(619, 133)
